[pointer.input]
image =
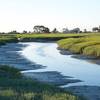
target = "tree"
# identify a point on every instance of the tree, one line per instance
(36, 29)
(95, 29)
(55, 30)
(41, 29)
(44, 29)
(99, 29)
(65, 30)
(85, 30)
(24, 32)
(75, 30)
(13, 32)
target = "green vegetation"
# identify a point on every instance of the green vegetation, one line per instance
(13, 86)
(92, 50)
(7, 39)
(88, 45)
(48, 36)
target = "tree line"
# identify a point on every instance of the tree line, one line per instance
(44, 29)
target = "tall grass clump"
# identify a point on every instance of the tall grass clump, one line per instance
(68, 43)
(87, 45)
(93, 50)
(79, 47)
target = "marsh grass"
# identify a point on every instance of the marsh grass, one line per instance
(20, 88)
(87, 45)
(93, 50)
(51, 36)
(7, 39)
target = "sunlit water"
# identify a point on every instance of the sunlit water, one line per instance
(46, 54)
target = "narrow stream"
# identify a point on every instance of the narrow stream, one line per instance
(46, 54)
(44, 62)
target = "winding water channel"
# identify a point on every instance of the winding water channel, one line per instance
(44, 62)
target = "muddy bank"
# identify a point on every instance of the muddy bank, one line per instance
(90, 59)
(39, 39)
(50, 77)
(55, 78)
(89, 92)
(10, 55)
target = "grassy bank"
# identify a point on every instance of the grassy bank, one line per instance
(47, 37)
(88, 45)
(7, 39)
(14, 87)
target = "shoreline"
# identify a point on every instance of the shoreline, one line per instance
(51, 77)
(90, 59)
(89, 92)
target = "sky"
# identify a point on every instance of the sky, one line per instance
(25, 14)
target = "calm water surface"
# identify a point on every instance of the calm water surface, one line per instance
(46, 54)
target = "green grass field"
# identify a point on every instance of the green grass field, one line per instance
(13, 86)
(47, 37)
(88, 45)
